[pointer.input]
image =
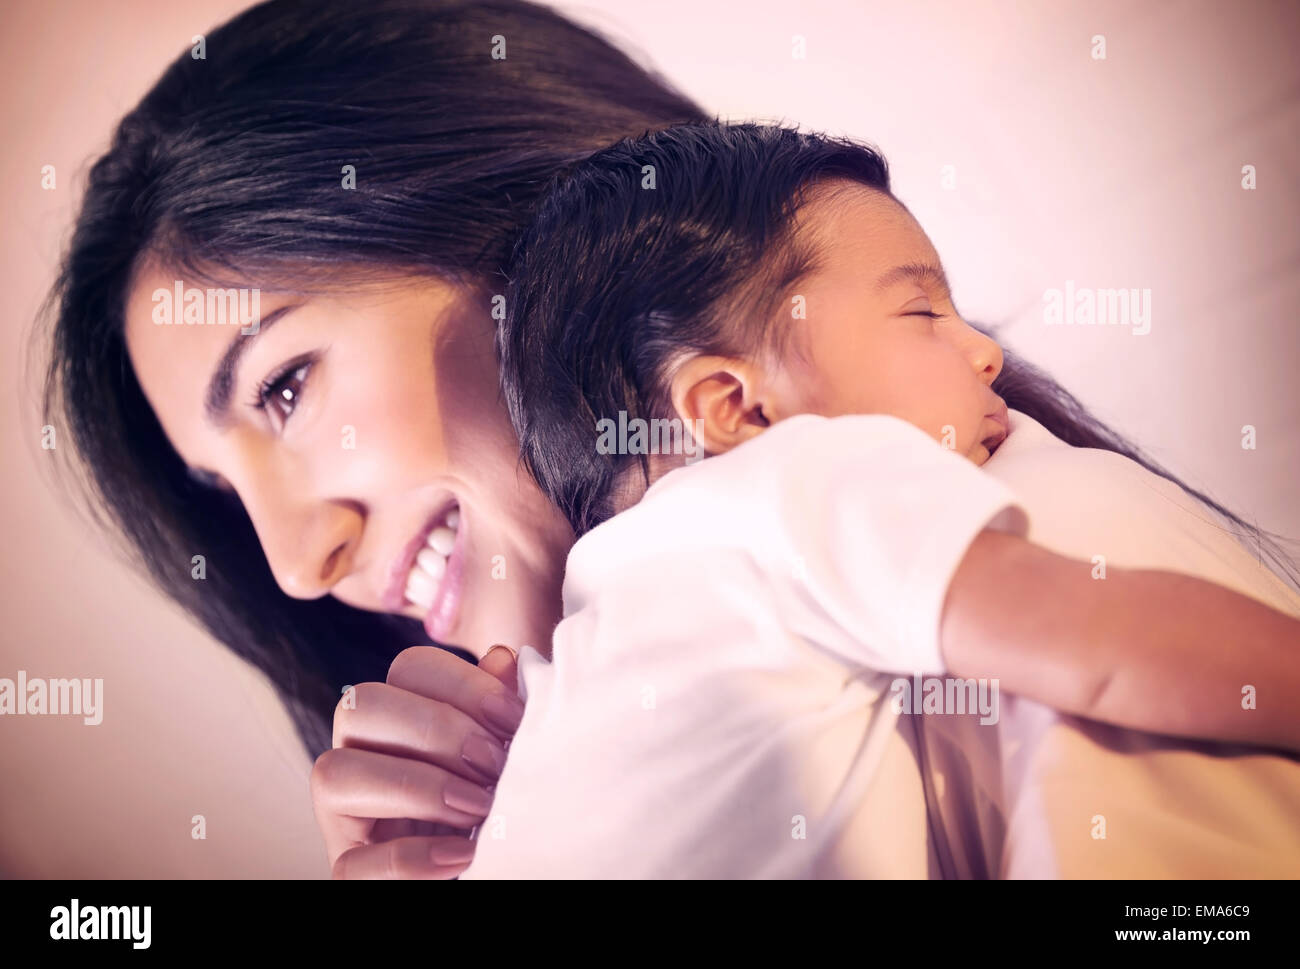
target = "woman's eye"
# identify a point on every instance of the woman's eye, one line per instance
(279, 395)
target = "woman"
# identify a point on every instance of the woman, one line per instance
(234, 165)
(366, 171)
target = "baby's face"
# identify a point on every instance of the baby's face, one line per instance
(882, 335)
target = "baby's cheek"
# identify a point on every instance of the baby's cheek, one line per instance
(852, 396)
(805, 389)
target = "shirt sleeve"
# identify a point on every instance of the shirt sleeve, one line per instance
(871, 518)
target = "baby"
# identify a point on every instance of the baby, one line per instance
(726, 695)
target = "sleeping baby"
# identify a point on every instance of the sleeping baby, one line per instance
(725, 694)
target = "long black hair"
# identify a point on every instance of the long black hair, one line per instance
(616, 278)
(229, 168)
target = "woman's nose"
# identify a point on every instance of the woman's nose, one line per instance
(310, 546)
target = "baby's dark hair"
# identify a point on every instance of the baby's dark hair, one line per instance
(613, 283)
(677, 243)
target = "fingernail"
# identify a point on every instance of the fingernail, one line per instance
(509, 649)
(503, 710)
(464, 796)
(485, 754)
(456, 853)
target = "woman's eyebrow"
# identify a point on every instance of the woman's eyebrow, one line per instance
(921, 272)
(216, 403)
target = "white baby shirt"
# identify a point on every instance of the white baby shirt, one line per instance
(717, 702)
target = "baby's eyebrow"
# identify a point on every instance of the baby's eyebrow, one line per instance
(921, 272)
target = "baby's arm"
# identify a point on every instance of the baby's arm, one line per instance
(1145, 649)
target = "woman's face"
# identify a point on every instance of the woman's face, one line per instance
(365, 436)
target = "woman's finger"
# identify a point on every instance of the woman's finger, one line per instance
(440, 675)
(386, 829)
(391, 720)
(502, 662)
(414, 857)
(368, 784)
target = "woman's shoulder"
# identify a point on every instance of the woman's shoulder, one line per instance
(1090, 502)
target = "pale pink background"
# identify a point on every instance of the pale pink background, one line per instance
(1123, 172)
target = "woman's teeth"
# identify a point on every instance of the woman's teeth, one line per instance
(431, 562)
(441, 540)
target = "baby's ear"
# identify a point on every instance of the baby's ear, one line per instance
(721, 401)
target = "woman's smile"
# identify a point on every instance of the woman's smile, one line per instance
(427, 574)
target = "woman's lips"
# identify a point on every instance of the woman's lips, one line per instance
(394, 597)
(440, 620)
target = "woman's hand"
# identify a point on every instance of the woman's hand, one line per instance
(406, 780)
